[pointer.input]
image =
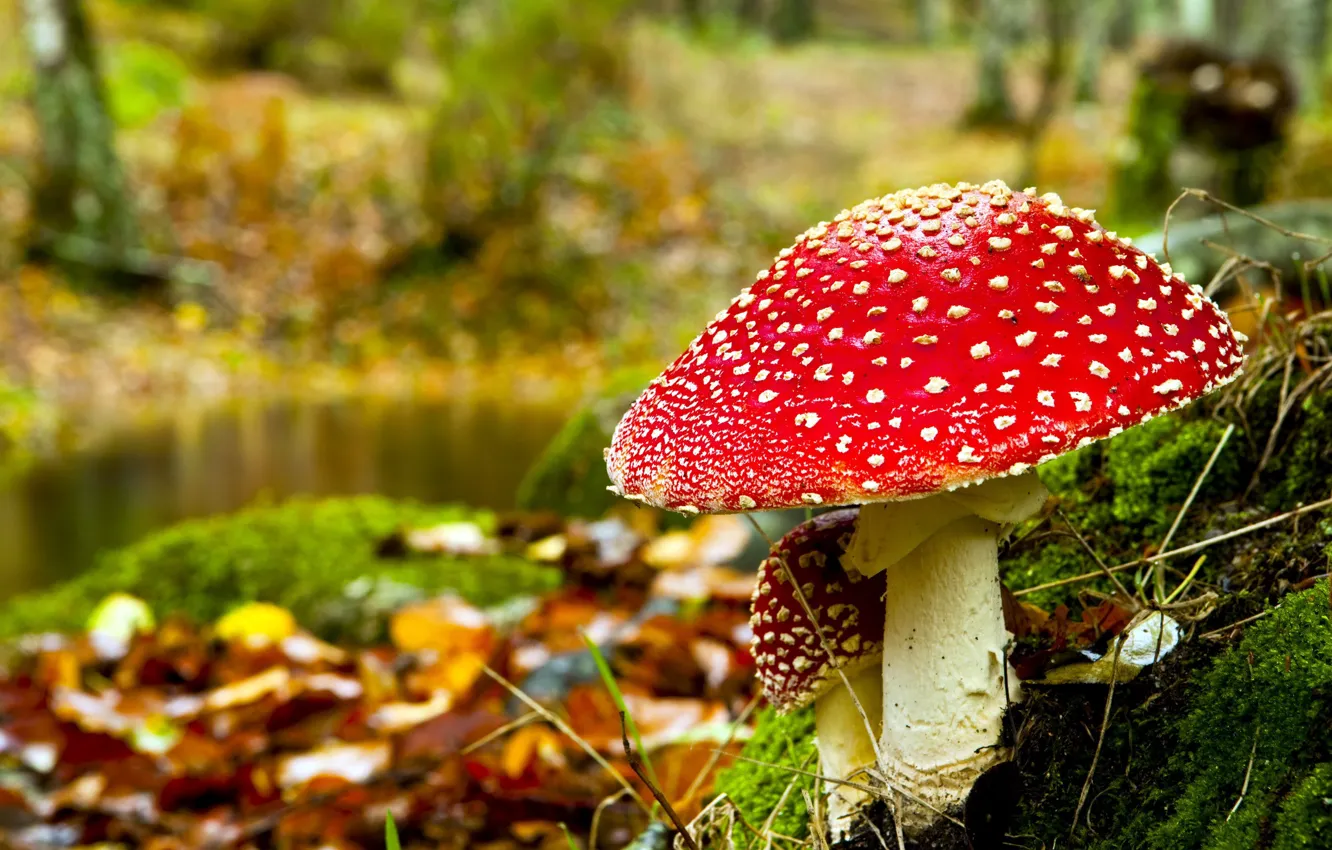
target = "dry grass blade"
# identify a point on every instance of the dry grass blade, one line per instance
(1183, 550)
(645, 776)
(1235, 625)
(595, 829)
(828, 650)
(716, 755)
(558, 723)
(1184, 509)
(500, 732)
(859, 786)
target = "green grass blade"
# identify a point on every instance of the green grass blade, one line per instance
(603, 667)
(568, 836)
(391, 833)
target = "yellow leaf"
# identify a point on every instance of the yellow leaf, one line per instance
(256, 622)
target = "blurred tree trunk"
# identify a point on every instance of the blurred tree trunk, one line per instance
(1095, 19)
(1229, 20)
(792, 20)
(749, 12)
(997, 26)
(931, 20)
(1058, 23)
(1301, 36)
(692, 12)
(82, 208)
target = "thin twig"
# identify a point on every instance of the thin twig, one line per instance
(1097, 558)
(1204, 195)
(554, 720)
(1248, 771)
(1100, 739)
(1224, 629)
(636, 763)
(1183, 550)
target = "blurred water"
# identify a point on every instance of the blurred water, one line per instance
(54, 519)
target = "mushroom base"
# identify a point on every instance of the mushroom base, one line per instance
(944, 655)
(846, 745)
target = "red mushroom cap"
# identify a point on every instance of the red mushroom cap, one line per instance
(922, 341)
(792, 663)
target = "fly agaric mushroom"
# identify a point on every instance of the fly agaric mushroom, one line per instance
(920, 344)
(796, 666)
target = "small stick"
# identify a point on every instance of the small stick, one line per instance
(1100, 739)
(1183, 550)
(637, 764)
(1244, 789)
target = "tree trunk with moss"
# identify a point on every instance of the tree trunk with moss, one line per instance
(792, 20)
(931, 21)
(82, 205)
(1095, 25)
(997, 26)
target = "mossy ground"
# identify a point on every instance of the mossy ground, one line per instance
(318, 559)
(1178, 745)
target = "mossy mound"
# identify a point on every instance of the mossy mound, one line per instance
(757, 788)
(302, 555)
(1175, 757)
(1178, 745)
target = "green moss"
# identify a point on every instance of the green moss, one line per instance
(1175, 753)
(1302, 467)
(302, 555)
(778, 740)
(1153, 466)
(1067, 475)
(1273, 688)
(1306, 817)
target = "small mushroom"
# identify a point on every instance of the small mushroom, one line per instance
(796, 666)
(920, 355)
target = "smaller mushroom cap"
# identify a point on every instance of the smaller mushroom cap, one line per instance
(793, 663)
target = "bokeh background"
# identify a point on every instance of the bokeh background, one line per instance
(257, 248)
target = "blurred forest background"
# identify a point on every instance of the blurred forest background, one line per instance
(288, 246)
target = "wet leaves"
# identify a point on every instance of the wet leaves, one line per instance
(251, 732)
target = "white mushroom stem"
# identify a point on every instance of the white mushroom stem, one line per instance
(846, 745)
(944, 640)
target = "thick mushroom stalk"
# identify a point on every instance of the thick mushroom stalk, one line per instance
(804, 576)
(944, 636)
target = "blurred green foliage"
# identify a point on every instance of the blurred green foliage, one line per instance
(142, 81)
(318, 559)
(531, 84)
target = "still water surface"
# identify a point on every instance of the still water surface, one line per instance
(55, 518)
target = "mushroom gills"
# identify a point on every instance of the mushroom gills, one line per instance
(888, 531)
(847, 745)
